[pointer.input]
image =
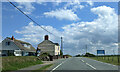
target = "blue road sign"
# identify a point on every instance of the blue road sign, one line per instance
(100, 51)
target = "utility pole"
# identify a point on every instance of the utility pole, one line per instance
(86, 48)
(113, 55)
(113, 52)
(62, 44)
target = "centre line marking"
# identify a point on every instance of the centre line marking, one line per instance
(91, 66)
(82, 60)
(58, 66)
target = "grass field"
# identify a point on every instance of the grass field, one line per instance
(15, 63)
(108, 59)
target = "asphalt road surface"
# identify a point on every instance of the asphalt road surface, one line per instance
(80, 64)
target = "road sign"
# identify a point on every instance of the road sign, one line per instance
(100, 51)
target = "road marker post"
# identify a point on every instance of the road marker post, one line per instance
(112, 58)
(118, 59)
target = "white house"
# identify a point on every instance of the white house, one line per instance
(12, 46)
(48, 46)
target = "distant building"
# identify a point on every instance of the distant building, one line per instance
(48, 46)
(12, 46)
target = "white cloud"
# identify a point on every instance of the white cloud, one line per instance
(34, 34)
(62, 14)
(101, 33)
(39, 1)
(66, 12)
(103, 10)
(90, 3)
(74, 5)
(56, 3)
(23, 0)
(107, 15)
(27, 7)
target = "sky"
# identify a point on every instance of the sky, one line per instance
(94, 24)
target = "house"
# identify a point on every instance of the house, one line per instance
(48, 46)
(14, 47)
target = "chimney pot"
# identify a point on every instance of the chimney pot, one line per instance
(46, 37)
(13, 38)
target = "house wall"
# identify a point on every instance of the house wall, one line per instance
(22, 53)
(57, 50)
(7, 52)
(49, 48)
(15, 52)
(7, 49)
(11, 53)
(11, 46)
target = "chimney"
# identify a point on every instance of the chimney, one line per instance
(13, 38)
(46, 37)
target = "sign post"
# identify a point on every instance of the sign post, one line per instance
(101, 52)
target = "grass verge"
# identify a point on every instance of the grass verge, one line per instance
(14, 63)
(111, 59)
(42, 69)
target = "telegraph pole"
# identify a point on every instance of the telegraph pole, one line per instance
(113, 52)
(62, 44)
(86, 48)
(113, 55)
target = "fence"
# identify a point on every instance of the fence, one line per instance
(115, 59)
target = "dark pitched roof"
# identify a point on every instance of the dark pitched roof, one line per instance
(56, 44)
(19, 44)
(48, 41)
(22, 42)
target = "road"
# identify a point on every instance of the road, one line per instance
(80, 64)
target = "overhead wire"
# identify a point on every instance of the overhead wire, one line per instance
(31, 19)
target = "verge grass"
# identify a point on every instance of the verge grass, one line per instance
(108, 59)
(43, 69)
(17, 62)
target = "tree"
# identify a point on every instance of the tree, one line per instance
(77, 55)
(89, 55)
(68, 55)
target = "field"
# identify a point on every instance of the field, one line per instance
(15, 63)
(108, 59)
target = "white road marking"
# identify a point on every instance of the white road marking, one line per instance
(82, 60)
(57, 66)
(91, 66)
(114, 65)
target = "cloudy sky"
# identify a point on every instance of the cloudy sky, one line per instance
(94, 24)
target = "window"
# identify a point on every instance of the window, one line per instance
(8, 43)
(18, 52)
